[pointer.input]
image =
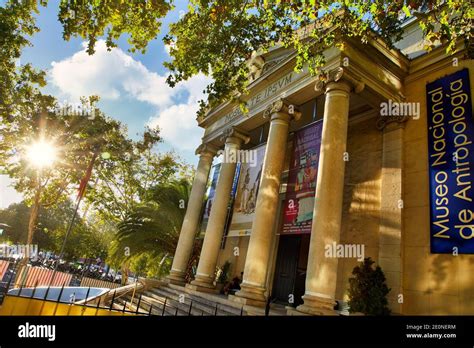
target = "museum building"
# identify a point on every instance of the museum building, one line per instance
(372, 157)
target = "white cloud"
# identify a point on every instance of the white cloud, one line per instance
(114, 74)
(8, 195)
(111, 75)
(178, 125)
(178, 122)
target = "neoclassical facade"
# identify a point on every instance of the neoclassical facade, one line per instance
(372, 188)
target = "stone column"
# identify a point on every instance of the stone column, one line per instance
(215, 227)
(193, 214)
(258, 254)
(321, 276)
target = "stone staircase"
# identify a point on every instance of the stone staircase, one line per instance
(172, 300)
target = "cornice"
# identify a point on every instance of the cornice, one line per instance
(435, 60)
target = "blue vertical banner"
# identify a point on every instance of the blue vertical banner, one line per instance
(451, 161)
(236, 181)
(212, 191)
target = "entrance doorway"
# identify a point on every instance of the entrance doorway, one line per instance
(290, 269)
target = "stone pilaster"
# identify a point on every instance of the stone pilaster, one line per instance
(258, 254)
(391, 207)
(205, 273)
(192, 216)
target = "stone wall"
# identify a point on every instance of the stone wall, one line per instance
(433, 283)
(361, 208)
(237, 263)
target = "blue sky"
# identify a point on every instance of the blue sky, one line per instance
(131, 86)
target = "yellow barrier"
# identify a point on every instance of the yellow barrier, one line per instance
(14, 305)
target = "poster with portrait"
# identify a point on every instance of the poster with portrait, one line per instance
(299, 201)
(246, 196)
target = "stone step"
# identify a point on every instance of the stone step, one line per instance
(214, 298)
(197, 307)
(208, 307)
(173, 304)
(132, 307)
(156, 303)
(222, 307)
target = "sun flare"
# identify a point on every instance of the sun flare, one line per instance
(41, 154)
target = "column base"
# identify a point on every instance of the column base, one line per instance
(202, 288)
(250, 295)
(315, 305)
(204, 284)
(176, 277)
(291, 311)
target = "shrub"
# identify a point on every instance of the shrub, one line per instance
(368, 290)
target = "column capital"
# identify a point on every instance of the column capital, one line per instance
(282, 109)
(395, 122)
(206, 149)
(233, 135)
(338, 78)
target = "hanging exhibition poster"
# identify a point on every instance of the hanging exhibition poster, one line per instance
(299, 202)
(210, 197)
(212, 192)
(246, 196)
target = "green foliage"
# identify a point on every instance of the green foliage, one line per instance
(153, 228)
(93, 19)
(122, 185)
(18, 83)
(221, 36)
(368, 290)
(217, 38)
(87, 239)
(150, 266)
(139, 264)
(16, 216)
(75, 138)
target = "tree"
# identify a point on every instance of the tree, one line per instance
(16, 217)
(73, 138)
(18, 83)
(122, 185)
(153, 228)
(88, 239)
(368, 290)
(93, 19)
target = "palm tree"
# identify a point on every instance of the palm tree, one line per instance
(154, 227)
